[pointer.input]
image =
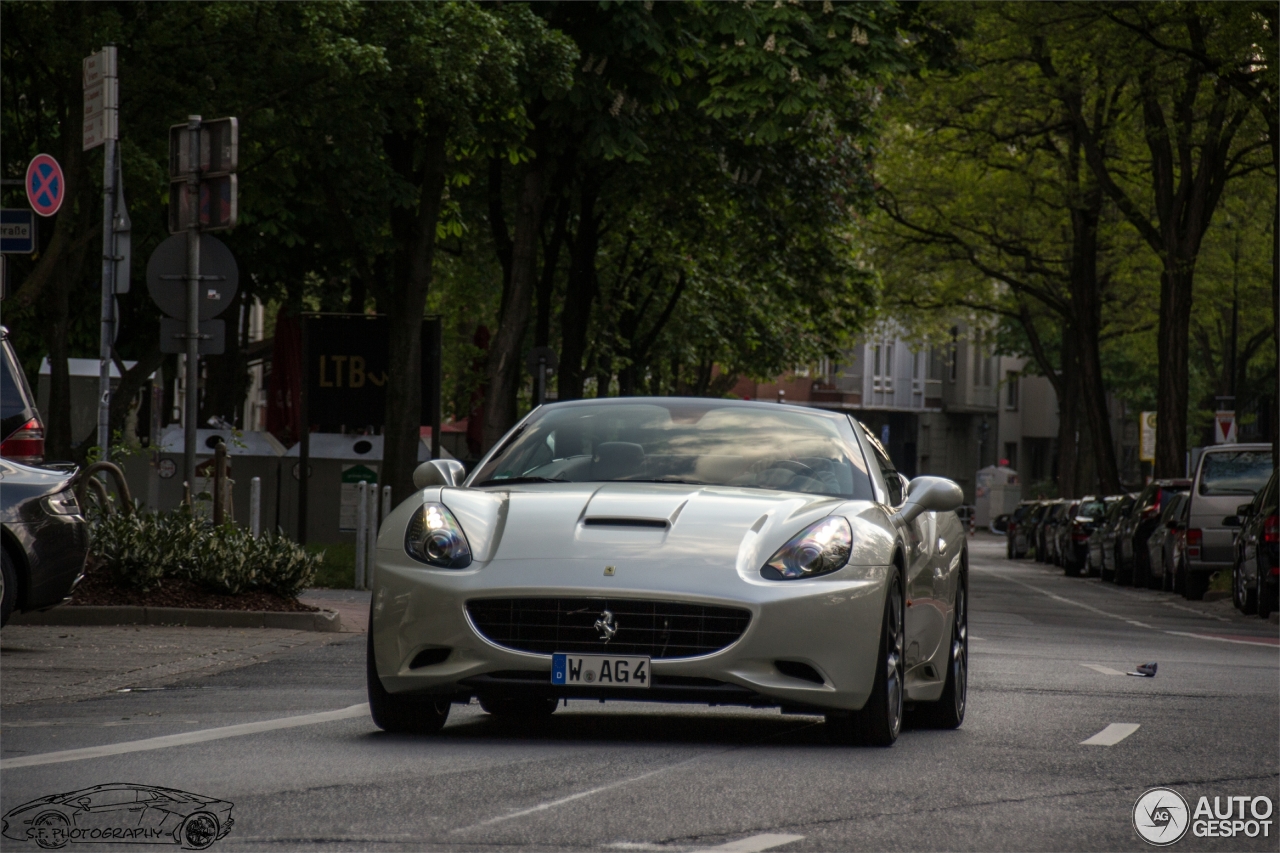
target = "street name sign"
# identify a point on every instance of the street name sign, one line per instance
(46, 188)
(101, 99)
(17, 232)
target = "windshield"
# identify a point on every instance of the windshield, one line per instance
(702, 442)
(1239, 472)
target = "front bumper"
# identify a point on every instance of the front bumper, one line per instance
(831, 623)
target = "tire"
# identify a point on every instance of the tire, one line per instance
(1245, 599)
(198, 831)
(1166, 580)
(9, 590)
(948, 711)
(1266, 603)
(879, 722)
(1070, 568)
(1179, 577)
(53, 820)
(523, 708)
(401, 714)
(1141, 569)
(1008, 549)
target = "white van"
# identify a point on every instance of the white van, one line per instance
(1225, 476)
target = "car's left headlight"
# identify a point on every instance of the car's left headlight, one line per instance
(819, 549)
(434, 537)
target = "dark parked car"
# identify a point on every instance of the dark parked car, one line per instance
(1035, 529)
(1256, 571)
(21, 430)
(1020, 521)
(1049, 531)
(1115, 521)
(1096, 532)
(1161, 541)
(1134, 568)
(44, 537)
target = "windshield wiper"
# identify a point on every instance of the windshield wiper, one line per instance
(517, 481)
(675, 480)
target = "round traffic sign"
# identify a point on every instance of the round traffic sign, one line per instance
(167, 282)
(46, 188)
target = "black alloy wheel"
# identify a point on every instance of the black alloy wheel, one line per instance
(879, 722)
(948, 711)
(401, 714)
(1246, 599)
(198, 831)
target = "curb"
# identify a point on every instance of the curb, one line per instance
(190, 617)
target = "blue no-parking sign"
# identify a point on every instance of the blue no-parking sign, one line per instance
(46, 188)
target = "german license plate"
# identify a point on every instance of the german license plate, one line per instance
(600, 670)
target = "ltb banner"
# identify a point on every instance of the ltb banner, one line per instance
(346, 361)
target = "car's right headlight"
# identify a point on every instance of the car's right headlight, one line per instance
(434, 537)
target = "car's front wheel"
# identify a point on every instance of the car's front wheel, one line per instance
(51, 830)
(404, 714)
(880, 720)
(948, 711)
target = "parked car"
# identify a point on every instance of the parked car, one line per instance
(43, 536)
(1256, 569)
(1084, 516)
(1066, 532)
(1160, 543)
(1225, 476)
(1117, 516)
(1020, 521)
(1049, 534)
(1096, 532)
(1142, 520)
(1036, 533)
(21, 429)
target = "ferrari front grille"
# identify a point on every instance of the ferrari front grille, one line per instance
(659, 629)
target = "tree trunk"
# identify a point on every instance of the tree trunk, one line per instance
(546, 285)
(580, 292)
(505, 362)
(1173, 352)
(1068, 417)
(408, 299)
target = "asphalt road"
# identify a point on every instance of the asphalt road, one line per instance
(1048, 657)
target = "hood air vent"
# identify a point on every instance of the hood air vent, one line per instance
(658, 523)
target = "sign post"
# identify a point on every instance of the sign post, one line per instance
(102, 127)
(203, 157)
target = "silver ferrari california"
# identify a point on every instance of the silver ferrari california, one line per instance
(676, 550)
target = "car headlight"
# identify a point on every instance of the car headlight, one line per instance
(819, 549)
(434, 537)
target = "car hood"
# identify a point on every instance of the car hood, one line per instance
(655, 521)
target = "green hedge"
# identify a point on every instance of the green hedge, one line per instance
(141, 549)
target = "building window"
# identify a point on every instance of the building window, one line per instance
(1011, 390)
(882, 366)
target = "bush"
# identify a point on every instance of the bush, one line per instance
(141, 549)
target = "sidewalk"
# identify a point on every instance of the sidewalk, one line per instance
(65, 662)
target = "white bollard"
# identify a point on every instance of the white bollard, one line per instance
(386, 501)
(255, 507)
(362, 530)
(371, 538)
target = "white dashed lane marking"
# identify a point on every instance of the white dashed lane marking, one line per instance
(755, 843)
(1105, 670)
(1111, 735)
(200, 736)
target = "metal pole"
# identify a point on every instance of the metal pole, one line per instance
(542, 381)
(255, 507)
(304, 442)
(107, 330)
(386, 502)
(437, 344)
(362, 521)
(219, 479)
(193, 301)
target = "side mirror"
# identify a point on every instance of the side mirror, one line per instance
(1231, 521)
(929, 494)
(439, 472)
(1243, 510)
